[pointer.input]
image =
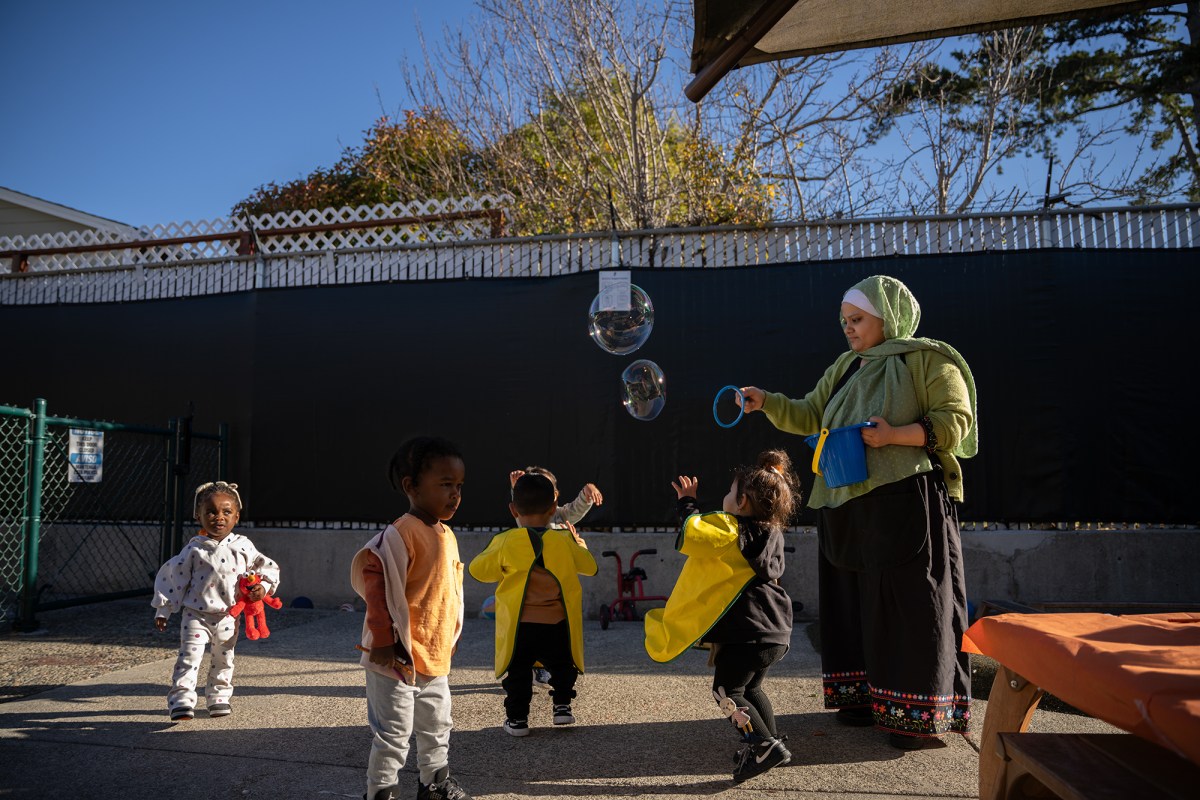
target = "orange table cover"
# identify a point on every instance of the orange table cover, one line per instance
(1138, 672)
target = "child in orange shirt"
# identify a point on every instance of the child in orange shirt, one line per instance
(411, 578)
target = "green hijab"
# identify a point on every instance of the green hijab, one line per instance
(901, 313)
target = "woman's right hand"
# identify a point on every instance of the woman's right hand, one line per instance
(752, 398)
(685, 487)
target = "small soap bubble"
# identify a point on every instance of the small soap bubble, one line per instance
(644, 389)
(622, 332)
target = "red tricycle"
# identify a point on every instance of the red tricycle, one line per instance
(629, 590)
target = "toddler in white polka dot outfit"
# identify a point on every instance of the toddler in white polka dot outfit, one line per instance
(202, 582)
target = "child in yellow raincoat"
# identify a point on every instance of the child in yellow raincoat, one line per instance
(539, 601)
(728, 598)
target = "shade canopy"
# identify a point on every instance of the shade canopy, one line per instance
(736, 33)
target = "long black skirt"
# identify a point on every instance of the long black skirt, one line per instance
(894, 608)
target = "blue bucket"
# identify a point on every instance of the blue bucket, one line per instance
(839, 455)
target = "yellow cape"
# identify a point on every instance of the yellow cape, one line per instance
(712, 578)
(507, 560)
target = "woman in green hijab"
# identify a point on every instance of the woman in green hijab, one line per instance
(892, 589)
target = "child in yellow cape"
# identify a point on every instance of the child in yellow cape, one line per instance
(539, 601)
(729, 599)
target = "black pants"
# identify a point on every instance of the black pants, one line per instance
(550, 645)
(740, 670)
(894, 608)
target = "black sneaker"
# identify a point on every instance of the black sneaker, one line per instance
(859, 717)
(386, 793)
(443, 787)
(563, 715)
(182, 714)
(516, 727)
(220, 710)
(756, 759)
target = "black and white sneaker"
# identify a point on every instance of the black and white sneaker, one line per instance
(443, 787)
(516, 727)
(182, 714)
(563, 715)
(220, 710)
(755, 759)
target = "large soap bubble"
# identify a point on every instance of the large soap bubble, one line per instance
(644, 389)
(622, 332)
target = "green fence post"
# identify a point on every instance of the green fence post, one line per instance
(26, 617)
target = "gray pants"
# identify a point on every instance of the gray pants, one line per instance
(395, 711)
(195, 632)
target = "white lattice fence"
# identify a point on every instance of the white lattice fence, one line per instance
(317, 230)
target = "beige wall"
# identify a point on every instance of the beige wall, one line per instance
(1102, 567)
(1146, 566)
(20, 221)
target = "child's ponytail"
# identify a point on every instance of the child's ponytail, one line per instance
(771, 487)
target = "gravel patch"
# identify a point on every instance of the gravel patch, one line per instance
(74, 644)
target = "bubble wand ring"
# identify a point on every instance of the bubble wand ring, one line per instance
(741, 406)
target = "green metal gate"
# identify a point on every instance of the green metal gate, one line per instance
(89, 509)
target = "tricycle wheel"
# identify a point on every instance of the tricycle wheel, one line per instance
(605, 617)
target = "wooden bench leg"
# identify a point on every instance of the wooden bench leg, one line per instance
(1010, 707)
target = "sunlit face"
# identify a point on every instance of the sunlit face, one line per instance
(438, 489)
(217, 515)
(734, 502)
(863, 331)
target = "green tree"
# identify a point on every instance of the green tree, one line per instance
(561, 167)
(1127, 83)
(1145, 62)
(343, 184)
(423, 157)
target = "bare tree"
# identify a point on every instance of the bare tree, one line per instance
(957, 128)
(571, 100)
(809, 123)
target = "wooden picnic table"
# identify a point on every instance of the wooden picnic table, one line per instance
(1140, 673)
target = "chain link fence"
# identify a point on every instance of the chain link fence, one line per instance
(14, 489)
(89, 510)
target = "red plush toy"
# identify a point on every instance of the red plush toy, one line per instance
(256, 617)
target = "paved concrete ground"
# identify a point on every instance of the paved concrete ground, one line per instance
(299, 731)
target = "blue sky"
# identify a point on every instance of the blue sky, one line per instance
(151, 112)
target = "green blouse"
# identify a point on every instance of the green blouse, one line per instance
(902, 381)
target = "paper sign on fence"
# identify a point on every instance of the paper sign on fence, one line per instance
(85, 456)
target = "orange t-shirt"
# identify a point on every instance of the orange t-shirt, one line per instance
(432, 590)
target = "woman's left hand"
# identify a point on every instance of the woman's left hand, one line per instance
(879, 436)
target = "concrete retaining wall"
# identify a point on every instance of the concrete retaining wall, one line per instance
(1103, 567)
